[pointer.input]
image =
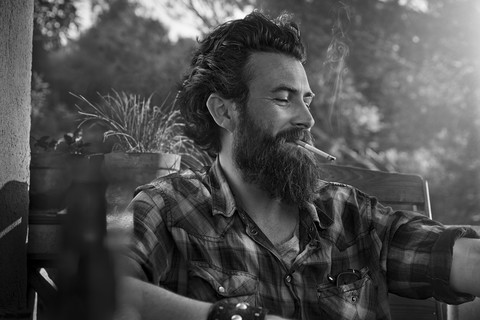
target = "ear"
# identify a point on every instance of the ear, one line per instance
(222, 111)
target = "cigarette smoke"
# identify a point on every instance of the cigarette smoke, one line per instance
(337, 51)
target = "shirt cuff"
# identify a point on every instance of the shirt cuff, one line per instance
(441, 262)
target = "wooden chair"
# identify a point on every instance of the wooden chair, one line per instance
(400, 191)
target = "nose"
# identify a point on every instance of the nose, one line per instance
(303, 117)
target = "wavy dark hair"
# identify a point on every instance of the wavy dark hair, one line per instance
(219, 65)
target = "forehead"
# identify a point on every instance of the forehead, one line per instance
(272, 70)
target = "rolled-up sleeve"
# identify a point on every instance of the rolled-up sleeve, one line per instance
(419, 257)
(440, 265)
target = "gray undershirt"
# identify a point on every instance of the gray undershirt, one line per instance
(289, 249)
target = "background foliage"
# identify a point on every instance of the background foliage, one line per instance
(397, 82)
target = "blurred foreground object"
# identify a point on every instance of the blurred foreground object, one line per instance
(86, 284)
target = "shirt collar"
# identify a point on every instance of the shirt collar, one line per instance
(223, 201)
(320, 215)
(321, 219)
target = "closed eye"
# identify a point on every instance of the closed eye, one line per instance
(308, 101)
(281, 101)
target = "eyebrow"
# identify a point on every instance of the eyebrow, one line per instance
(279, 88)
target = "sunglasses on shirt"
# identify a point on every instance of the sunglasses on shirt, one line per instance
(345, 277)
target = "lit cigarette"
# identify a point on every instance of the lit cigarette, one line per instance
(315, 150)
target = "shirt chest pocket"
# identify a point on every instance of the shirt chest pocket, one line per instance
(348, 301)
(211, 283)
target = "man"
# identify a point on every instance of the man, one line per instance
(259, 234)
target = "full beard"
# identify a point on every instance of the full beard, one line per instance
(276, 165)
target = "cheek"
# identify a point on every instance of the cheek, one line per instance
(270, 122)
(267, 126)
(274, 124)
(268, 116)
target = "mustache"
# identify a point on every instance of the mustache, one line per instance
(294, 134)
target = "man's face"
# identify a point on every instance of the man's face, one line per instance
(275, 116)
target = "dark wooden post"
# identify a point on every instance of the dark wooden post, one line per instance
(86, 268)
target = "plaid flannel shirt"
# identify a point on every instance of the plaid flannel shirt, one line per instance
(189, 237)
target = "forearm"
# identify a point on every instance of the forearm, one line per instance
(465, 271)
(141, 300)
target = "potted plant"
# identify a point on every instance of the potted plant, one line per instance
(147, 142)
(50, 169)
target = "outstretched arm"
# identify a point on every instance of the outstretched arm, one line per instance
(141, 300)
(465, 271)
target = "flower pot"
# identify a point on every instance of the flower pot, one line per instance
(49, 180)
(124, 172)
(52, 175)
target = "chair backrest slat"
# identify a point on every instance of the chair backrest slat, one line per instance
(398, 190)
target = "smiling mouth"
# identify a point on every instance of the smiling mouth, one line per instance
(294, 135)
(309, 147)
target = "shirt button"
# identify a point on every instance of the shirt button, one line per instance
(242, 305)
(288, 278)
(221, 289)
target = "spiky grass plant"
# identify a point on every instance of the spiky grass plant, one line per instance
(139, 127)
(128, 117)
